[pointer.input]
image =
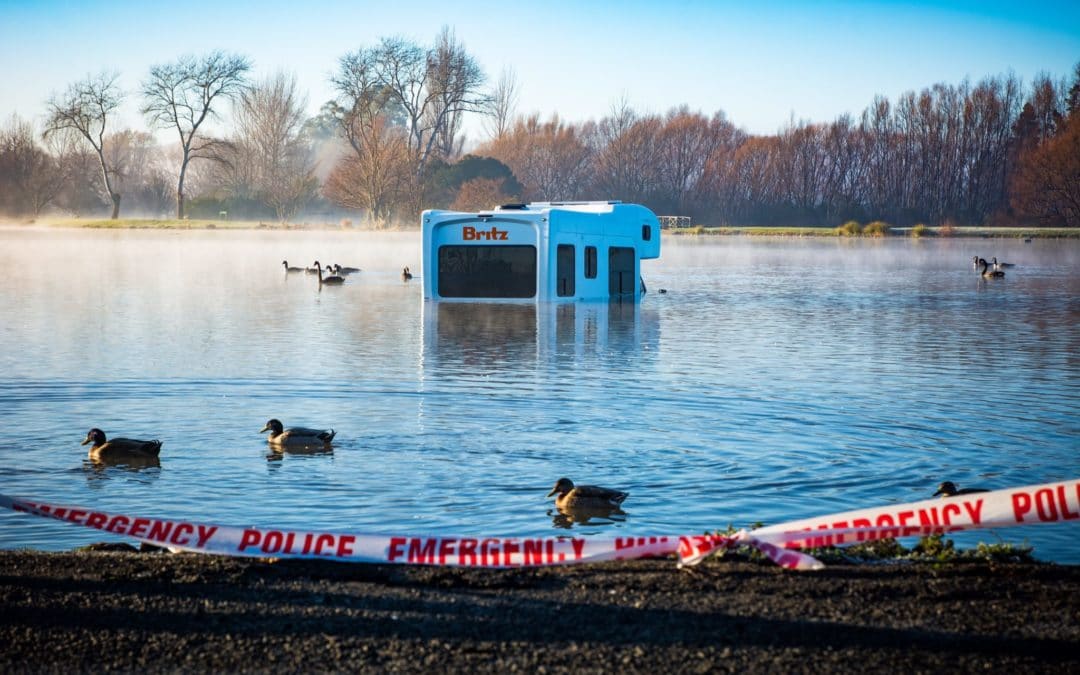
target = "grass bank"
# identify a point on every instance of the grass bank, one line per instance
(882, 230)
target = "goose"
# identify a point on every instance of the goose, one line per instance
(296, 436)
(949, 489)
(405, 274)
(1001, 265)
(585, 496)
(117, 447)
(338, 269)
(290, 270)
(989, 273)
(975, 263)
(328, 280)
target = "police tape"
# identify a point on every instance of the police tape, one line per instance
(1046, 503)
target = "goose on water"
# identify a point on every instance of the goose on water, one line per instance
(291, 270)
(989, 273)
(405, 274)
(333, 279)
(1001, 265)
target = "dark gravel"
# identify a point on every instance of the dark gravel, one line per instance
(151, 612)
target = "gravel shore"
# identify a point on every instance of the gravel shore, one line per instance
(153, 612)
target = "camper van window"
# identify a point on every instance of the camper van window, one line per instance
(621, 277)
(487, 271)
(565, 270)
(646, 232)
(590, 262)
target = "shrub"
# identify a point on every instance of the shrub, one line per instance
(948, 228)
(849, 229)
(918, 231)
(878, 228)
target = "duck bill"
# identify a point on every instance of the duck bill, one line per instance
(553, 491)
(939, 492)
(85, 441)
(264, 429)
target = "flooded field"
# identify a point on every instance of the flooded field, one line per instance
(775, 379)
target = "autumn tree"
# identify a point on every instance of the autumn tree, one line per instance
(85, 109)
(182, 95)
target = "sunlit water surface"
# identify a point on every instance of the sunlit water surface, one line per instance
(776, 379)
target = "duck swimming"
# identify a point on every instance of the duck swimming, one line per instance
(989, 273)
(949, 489)
(405, 274)
(572, 496)
(290, 270)
(119, 447)
(333, 279)
(296, 436)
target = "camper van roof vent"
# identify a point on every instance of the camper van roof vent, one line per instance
(513, 207)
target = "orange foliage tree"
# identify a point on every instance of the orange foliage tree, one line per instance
(1046, 184)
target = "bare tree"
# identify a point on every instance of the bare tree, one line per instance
(30, 176)
(85, 108)
(499, 114)
(269, 146)
(182, 95)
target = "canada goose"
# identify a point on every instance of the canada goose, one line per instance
(975, 263)
(989, 273)
(296, 436)
(949, 489)
(1000, 265)
(118, 447)
(338, 269)
(585, 496)
(327, 280)
(290, 270)
(405, 274)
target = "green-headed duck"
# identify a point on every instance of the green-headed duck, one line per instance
(119, 447)
(585, 496)
(296, 436)
(949, 489)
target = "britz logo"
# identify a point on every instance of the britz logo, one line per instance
(470, 233)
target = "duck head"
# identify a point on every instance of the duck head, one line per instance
(273, 426)
(95, 436)
(945, 489)
(562, 486)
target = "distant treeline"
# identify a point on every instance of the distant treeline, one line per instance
(390, 144)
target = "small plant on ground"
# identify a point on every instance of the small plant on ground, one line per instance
(918, 231)
(878, 228)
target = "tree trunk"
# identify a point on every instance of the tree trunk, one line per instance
(115, 205)
(180, 189)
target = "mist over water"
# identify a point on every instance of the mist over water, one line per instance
(776, 379)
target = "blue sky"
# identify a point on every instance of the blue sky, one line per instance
(762, 63)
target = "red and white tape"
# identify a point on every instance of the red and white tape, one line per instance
(1050, 502)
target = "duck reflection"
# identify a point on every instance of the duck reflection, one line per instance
(278, 453)
(566, 518)
(138, 467)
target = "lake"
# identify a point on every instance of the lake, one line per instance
(776, 379)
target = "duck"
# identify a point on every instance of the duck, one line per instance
(296, 436)
(989, 273)
(333, 279)
(592, 497)
(949, 489)
(1001, 265)
(338, 269)
(103, 448)
(290, 270)
(405, 274)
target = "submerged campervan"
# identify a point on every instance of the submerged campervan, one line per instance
(539, 251)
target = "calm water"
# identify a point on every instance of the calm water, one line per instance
(777, 379)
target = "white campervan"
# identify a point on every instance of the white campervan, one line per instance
(539, 251)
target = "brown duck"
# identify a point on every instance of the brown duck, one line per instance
(572, 496)
(119, 447)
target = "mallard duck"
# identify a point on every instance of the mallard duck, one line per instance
(405, 274)
(1000, 265)
(949, 489)
(296, 436)
(104, 449)
(989, 273)
(290, 270)
(585, 496)
(333, 279)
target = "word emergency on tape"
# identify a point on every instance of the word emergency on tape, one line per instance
(1051, 502)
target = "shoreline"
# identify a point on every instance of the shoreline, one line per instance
(152, 612)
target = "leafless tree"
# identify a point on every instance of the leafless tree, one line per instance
(85, 109)
(279, 166)
(502, 105)
(183, 95)
(30, 176)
